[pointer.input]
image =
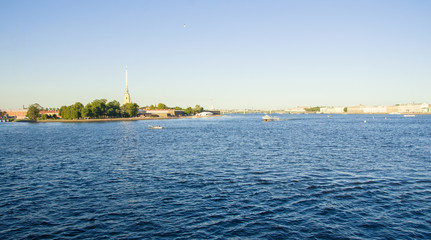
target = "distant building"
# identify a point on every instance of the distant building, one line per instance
(401, 108)
(163, 112)
(361, 109)
(143, 113)
(392, 109)
(214, 112)
(375, 109)
(414, 108)
(356, 109)
(50, 113)
(332, 110)
(296, 110)
(126, 94)
(18, 114)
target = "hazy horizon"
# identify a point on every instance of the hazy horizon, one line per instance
(233, 55)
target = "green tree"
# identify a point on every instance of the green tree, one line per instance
(313, 109)
(188, 111)
(345, 109)
(33, 111)
(198, 109)
(113, 109)
(87, 112)
(76, 110)
(67, 112)
(43, 117)
(98, 108)
(62, 112)
(162, 106)
(130, 109)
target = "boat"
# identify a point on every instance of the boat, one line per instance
(268, 118)
(204, 114)
(409, 115)
(155, 127)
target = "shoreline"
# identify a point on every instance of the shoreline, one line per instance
(118, 119)
(393, 114)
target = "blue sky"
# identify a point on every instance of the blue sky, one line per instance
(233, 54)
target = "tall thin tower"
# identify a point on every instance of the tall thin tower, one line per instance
(126, 94)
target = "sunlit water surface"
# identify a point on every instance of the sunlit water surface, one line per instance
(309, 176)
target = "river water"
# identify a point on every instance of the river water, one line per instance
(308, 176)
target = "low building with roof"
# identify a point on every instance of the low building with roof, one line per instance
(51, 112)
(162, 112)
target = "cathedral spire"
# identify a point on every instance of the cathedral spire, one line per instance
(127, 85)
(126, 94)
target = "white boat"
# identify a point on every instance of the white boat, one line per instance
(204, 114)
(155, 127)
(409, 115)
(268, 118)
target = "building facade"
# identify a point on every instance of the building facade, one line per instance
(414, 108)
(296, 110)
(332, 110)
(18, 114)
(162, 112)
(419, 108)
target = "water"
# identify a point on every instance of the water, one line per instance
(218, 178)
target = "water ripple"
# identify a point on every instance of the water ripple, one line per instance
(218, 178)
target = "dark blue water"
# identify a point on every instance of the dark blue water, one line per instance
(228, 177)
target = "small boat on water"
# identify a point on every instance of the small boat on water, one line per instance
(155, 127)
(409, 115)
(268, 118)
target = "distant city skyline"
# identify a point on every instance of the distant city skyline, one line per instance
(230, 54)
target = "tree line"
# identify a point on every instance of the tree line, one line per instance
(188, 110)
(99, 108)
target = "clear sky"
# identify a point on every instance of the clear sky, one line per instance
(233, 54)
